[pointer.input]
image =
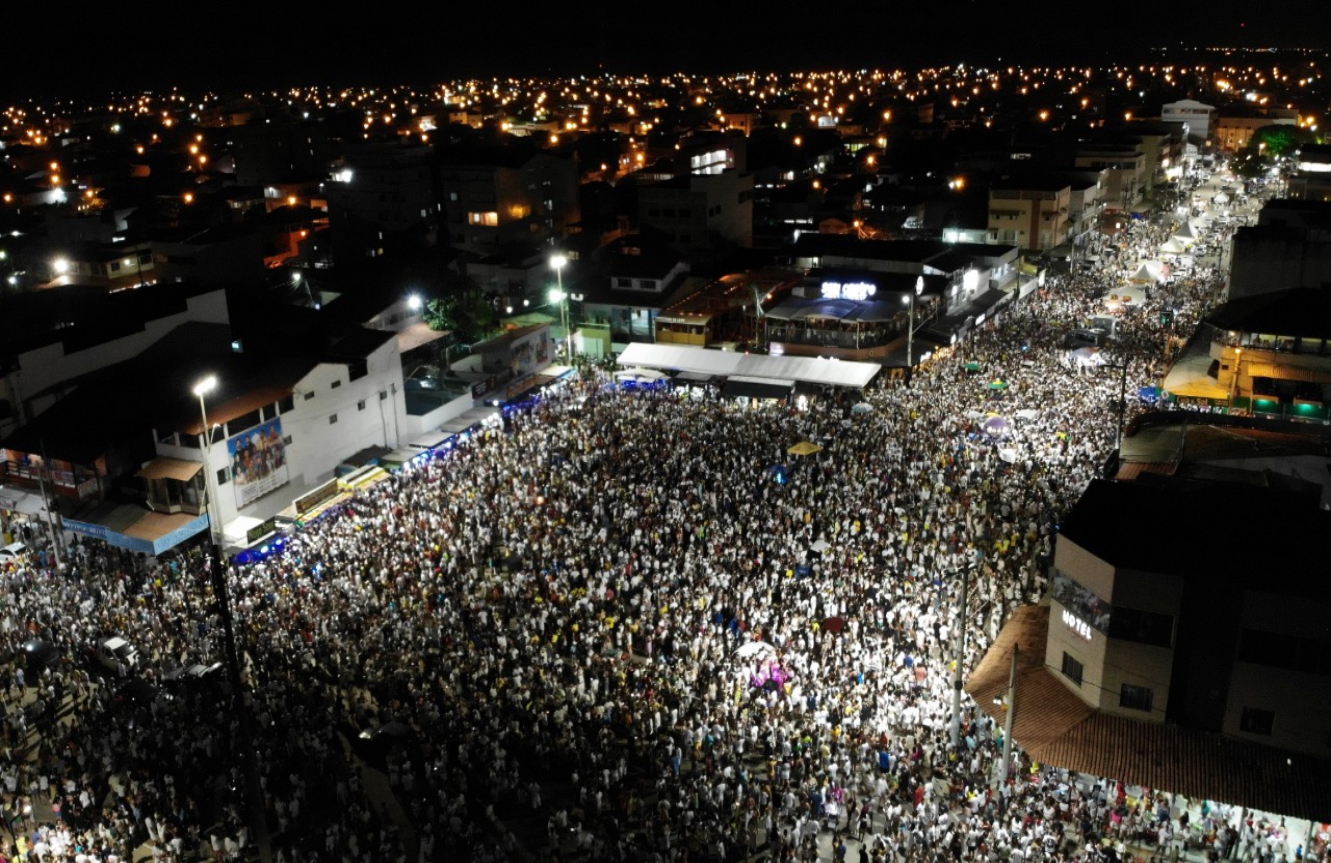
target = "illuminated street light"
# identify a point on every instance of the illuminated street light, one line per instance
(558, 262)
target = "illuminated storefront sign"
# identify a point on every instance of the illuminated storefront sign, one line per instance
(1076, 624)
(849, 290)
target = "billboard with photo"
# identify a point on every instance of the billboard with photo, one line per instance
(258, 461)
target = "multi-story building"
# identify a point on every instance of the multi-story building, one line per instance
(1196, 117)
(501, 201)
(695, 211)
(1311, 180)
(1179, 630)
(1233, 129)
(1124, 166)
(1030, 212)
(1290, 246)
(1162, 146)
(272, 153)
(380, 189)
(1172, 660)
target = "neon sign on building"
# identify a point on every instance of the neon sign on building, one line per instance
(849, 290)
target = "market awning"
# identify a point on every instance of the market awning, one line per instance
(164, 530)
(468, 420)
(166, 467)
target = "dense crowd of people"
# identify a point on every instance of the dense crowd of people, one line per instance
(629, 624)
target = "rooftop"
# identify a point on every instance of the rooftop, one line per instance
(1136, 525)
(1303, 312)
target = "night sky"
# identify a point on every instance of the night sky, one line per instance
(239, 45)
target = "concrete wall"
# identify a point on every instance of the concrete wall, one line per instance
(1300, 701)
(1108, 663)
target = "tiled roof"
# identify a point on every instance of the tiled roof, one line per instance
(1056, 727)
(1133, 469)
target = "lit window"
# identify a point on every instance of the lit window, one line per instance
(489, 220)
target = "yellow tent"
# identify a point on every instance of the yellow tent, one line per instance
(805, 447)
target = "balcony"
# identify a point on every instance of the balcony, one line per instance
(77, 484)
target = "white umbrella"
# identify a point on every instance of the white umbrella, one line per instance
(755, 648)
(974, 415)
(1008, 455)
(1027, 414)
(862, 408)
(821, 546)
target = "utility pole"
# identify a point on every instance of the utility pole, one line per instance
(959, 659)
(1122, 369)
(217, 572)
(56, 551)
(1007, 722)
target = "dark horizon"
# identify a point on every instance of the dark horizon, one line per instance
(280, 48)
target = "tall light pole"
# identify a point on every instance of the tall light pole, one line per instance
(959, 660)
(254, 792)
(910, 328)
(558, 262)
(201, 389)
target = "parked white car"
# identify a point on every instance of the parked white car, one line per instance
(113, 651)
(12, 553)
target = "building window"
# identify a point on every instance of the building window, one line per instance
(1256, 721)
(623, 283)
(489, 220)
(1143, 627)
(224, 476)
(360, 405)
(383, 395)
(1072, 669)
(286, 439)
(332, 418)
(286, 405)
(1136, 697)
(309, 396)
(335, 385)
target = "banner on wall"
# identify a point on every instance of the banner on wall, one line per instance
(258, 461)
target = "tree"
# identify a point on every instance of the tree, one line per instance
(1281, 139)
(465, 310)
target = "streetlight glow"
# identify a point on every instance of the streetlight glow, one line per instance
(414, 302)
(558, 261)
(205, 386)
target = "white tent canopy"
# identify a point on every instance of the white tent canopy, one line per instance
(1148, 272)
(811, 370)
